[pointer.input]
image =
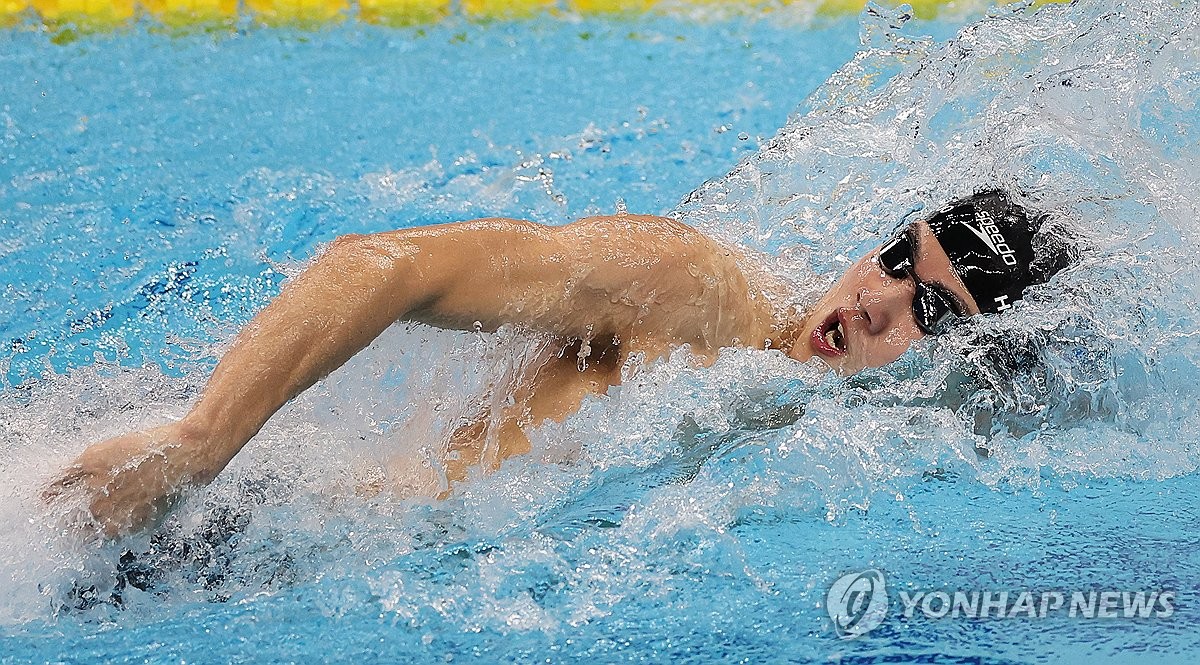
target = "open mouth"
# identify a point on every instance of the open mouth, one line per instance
(829, 338)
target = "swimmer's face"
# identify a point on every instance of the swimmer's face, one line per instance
(866, 319)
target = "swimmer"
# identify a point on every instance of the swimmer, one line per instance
(604, 287)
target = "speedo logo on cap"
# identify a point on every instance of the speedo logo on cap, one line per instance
(990, 234)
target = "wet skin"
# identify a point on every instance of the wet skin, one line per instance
(874, 310)
(603, 288)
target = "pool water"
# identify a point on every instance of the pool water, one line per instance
(156, 190)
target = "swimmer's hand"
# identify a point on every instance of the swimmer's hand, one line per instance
(130, 482)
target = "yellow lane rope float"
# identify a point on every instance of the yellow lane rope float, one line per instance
(101, 14)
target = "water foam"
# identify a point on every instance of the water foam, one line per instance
(1085, 112)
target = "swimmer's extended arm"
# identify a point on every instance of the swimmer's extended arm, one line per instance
(573, 281)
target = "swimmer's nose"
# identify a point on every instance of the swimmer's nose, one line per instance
(885, 306)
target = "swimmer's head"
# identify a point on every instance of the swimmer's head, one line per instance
(977, 255)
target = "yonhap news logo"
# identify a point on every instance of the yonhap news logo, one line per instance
(858, 603)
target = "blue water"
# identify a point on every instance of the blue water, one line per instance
(156, 190)
(126, 157)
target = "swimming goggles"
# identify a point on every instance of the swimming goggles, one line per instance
(934, 308)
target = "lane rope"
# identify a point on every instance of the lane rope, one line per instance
(102, 14)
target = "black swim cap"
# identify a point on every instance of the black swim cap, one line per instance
(989, 240)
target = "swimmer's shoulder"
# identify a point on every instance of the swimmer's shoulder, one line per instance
(690, 287)
(627, 224)
(650, 239)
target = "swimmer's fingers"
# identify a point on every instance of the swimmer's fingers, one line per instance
(66, 483)
(117, 486)
(68, 498)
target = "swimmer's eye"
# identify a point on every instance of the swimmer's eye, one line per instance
(896, 257)
(934, 308)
